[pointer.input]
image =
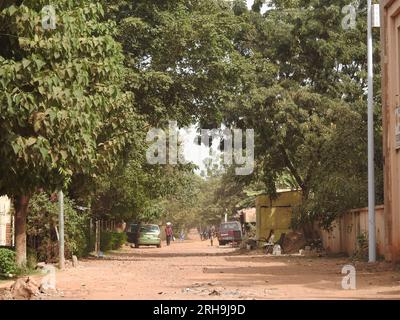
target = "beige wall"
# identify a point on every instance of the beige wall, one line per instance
(390, 35)
(346, 229)
(5, 221)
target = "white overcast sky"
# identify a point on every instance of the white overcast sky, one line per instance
(250, 3)
(192, 151)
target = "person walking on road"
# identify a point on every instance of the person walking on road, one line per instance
(211, 234)
(168, 233)
(182, 235)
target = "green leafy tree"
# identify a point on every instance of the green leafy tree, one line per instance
(305, 96)
(181, 56)
(62, 109)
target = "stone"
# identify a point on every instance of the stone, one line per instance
(24, 288)
(74, 261)
(293, 242)
(214, 293)
(6, 294)
(47, 288)
(40, 265)
(276, 251)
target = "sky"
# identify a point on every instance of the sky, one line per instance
(250, 3)
(192, 151)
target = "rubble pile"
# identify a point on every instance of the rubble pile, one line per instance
(293, 242)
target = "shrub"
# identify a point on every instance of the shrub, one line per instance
(361, 252)
(7, 262)
(31, 258)
(119, 239)
(112, 240)
(42, 223)
(106, 241)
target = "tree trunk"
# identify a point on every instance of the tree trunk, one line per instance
(21, 212)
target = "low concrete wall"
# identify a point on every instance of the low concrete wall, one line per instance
(346, 229)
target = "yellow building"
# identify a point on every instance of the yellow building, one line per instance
(275, 214)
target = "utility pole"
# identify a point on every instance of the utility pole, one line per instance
(61, 231)
(373, 21)
(97, 244)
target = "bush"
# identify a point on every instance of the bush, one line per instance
(106, 241)
(7, 262)
(119, 239)
(42, 223)
(31, 259)
(361, 252)
(112, 240)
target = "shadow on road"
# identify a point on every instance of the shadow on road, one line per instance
(162, 255)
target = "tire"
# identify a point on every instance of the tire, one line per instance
(221, 243)
(159, 245)
(136, 245)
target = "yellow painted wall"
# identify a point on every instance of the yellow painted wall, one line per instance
(275, 214)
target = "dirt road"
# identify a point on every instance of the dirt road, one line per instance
(194, 270)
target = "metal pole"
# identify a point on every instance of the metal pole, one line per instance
(97, 238)
(61, 231)
(371, 167)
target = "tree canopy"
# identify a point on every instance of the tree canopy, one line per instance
(77, 100)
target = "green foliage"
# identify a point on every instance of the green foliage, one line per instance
(60, 96)
(362, 246)
(180, 54)
(112, 240)
(31, 259)
(303, 93)
(67, 114)
(7, 262)
(42, 223)
(119, 239)
(221, 194)
(106, 241)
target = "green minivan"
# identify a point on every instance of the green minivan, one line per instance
(145, 235)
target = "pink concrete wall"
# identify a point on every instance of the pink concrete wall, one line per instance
(346, 229)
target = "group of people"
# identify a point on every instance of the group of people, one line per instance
(208, 233)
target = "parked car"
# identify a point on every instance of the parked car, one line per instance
(144, 235)
(229, 232)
